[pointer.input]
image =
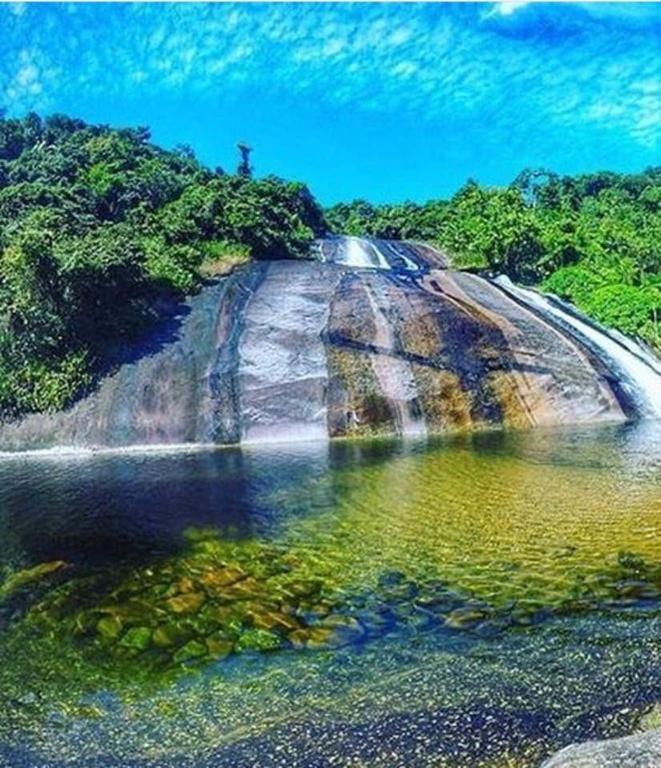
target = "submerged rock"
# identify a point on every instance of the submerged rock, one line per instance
(109, 627)
(272, 620)
(222, 596)
(258, 640)
(224, 577)
(219, 646)
(171, 634)
(189, 602)
(466, 617)
(342, 630)
(192, 650)
(313, 638)
(372, 338)
(136, 639)
(30, 576)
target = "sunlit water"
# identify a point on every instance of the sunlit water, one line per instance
(476, 601)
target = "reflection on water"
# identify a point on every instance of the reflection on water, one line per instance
(476, 600)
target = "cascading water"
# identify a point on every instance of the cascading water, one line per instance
(393, 372)
(639, 374)
(367, 337)
(374, 253)
(361, 253)
(351, 251)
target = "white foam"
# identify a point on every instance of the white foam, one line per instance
(360, 253)
(69, 451)
(640, 372)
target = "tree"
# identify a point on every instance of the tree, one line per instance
(244, 169)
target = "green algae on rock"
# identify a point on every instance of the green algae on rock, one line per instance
(29, 576)
(221, 596)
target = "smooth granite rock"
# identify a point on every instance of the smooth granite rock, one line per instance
(642, 750)
(372, 337)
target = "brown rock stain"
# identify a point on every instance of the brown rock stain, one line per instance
(444, 403)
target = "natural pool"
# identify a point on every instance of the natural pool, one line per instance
(480, 600)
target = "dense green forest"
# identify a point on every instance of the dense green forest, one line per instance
(99, 228)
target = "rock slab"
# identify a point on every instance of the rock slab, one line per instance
(642, 750)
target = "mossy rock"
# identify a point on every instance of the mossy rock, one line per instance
(258, 640)
(246, 589)
(272, 620)
(193, 649)
(134, 611)
(466, 617)
(30, 576)
(377, 622)
(170, 634)
(189, 602)
(343, 630)
(228, 617)
(180, 587)
(109, 627)
(136, 639)
(299, 589)
(220, 578)
(312, 638)
(219, 646)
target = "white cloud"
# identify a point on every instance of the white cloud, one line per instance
(437, 62)
(508, 7)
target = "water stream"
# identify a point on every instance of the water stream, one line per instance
(636, 369)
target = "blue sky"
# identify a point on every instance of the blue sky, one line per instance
(382, 101)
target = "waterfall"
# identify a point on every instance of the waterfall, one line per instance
(396, 255)
(281, 360)
(370, 253)
(359, 253)
(393, 373)
(639, 373)
(366, 337)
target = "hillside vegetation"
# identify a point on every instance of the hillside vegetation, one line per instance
(593, 239)
(96, 226)
(99, 227)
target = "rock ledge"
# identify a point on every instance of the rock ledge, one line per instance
(642, 750)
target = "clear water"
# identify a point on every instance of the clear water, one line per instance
(479, 600)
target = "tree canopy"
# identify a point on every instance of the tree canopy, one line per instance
(96, 226)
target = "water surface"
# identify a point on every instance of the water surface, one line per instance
(478, 600)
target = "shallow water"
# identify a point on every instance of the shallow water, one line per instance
(480, 600)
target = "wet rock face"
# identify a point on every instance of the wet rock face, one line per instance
(365, 338)
(639, 751)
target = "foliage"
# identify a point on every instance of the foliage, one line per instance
(594, 239)
(96, 224)
(408, 221)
